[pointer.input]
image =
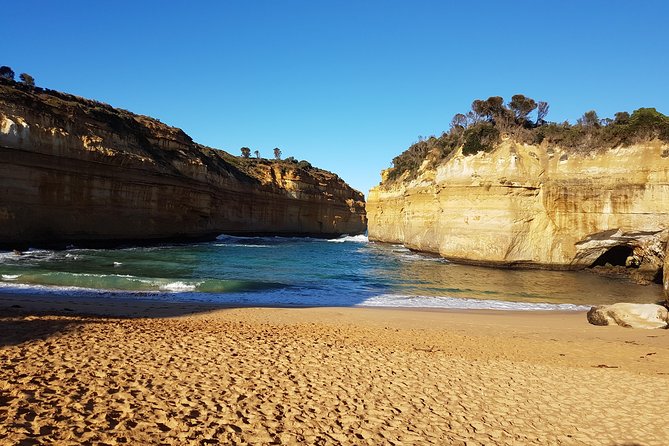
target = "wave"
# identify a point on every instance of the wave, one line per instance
(179, 286)
(31, 254)
(456, 303)
(350, 238)
(243, 245)
(128, 283)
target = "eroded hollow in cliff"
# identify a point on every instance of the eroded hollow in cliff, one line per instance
(616, 256)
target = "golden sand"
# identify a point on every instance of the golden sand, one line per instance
(324, 376)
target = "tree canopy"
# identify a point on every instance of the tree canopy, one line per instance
(27, 79)
(6, 73)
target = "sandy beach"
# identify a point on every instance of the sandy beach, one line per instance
(78, 371)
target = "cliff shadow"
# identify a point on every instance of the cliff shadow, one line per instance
(18, 328)
(25, 318)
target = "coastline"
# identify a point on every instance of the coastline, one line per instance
(192, 374)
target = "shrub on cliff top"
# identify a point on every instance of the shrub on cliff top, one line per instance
(6, 73)
(480, 130)
(480, 137)
(27, 79)
(411, 159)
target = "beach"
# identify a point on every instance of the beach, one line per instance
(79, 371)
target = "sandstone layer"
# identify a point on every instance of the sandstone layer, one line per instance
(534, 205)
(79, 171)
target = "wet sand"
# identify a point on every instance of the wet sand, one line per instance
(193, 374)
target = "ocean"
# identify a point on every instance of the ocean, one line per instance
(279, 271)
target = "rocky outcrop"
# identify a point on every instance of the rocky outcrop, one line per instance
(630, 315)
(78, 171)
(534, 205)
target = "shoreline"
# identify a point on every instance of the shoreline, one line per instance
(138, 307)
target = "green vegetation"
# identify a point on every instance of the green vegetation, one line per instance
(77, 113)
(481, 129)
(27, 79)
(6, 73)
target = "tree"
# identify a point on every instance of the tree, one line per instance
(495, 106)
(6, 73)
(542, 111)
(472, 118)
(479, 109)
(521, 106)
(589, 119)
(257, 154)
(246, 152)
(621, 118)
(27, 79)
(459, 120)
(277, 153)
(492, 109)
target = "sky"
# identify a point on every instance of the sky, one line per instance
(347, 85)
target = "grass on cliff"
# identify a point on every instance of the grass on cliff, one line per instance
(80, 115)
(481, 129)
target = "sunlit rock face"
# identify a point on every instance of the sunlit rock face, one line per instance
(534, 205)
(74, 170)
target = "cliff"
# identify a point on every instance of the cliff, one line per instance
(534, 205)
(79, 171)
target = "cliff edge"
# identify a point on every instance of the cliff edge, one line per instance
(78, 171)
(535, 205)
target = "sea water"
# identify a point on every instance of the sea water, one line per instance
(279, 271)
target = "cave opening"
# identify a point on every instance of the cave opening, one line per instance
(615, 256)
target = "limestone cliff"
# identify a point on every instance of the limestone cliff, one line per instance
(533, 205)
(77, 171)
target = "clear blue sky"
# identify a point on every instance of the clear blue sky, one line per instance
(347, 85)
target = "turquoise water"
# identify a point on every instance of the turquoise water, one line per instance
(264, 271)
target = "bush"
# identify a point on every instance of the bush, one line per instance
(480, 137)
(27, 79)
(6, 73)
(480, 130)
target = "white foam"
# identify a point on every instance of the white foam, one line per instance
(350, 238)
(10, 276)
(178, 287)
(243, 245)
(400, 248)
(406, 301)
(423, 257)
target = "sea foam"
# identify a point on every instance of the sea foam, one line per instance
(350, 238)
(406, 301)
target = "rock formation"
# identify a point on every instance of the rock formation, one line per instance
(630, 315)
(534, 205)
(79, 171)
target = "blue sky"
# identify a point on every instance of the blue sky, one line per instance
(347, 85)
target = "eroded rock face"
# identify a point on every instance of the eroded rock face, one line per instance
(74, 170)
(534, 205)
(630, 315)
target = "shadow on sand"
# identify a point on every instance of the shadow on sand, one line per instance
(26, 318)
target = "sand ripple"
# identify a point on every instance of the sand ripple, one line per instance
(231, 380)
